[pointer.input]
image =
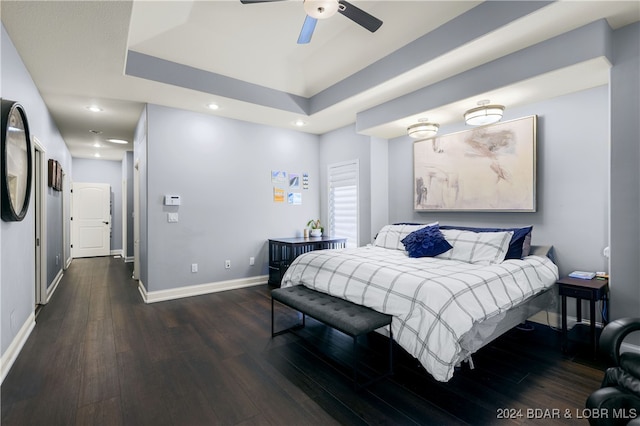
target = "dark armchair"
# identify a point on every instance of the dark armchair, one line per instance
(619, 395)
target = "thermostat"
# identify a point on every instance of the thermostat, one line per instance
(171, 200)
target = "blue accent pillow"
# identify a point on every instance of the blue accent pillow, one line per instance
(426, 242)
(517, 245)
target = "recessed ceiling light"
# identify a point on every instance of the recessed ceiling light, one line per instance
(94, 108)
(213, 106)
(97, 145)
(300, 123)
(120, 141)
(97, 155)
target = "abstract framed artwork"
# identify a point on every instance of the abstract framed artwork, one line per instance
(489, 168)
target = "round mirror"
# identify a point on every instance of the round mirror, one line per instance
(16, 162)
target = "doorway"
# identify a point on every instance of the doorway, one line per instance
(40, 185)
(91, 219)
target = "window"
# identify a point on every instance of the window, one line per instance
(343, 201)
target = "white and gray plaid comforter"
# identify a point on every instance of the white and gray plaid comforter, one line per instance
(433, 301)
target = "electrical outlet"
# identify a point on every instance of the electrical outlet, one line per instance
(252, 261)
(227, 264)
(194, 267)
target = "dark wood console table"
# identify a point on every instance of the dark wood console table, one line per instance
(282, 251)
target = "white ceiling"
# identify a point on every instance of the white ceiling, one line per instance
(76, 52)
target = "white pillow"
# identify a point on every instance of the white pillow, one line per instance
(391, 236)
(476, 247)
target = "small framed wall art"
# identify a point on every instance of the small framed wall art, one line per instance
(54, 175)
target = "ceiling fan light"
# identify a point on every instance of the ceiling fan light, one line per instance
(321, 9)
(422, 130)
(483, 115)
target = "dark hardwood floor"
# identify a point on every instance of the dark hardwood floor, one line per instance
(99, 355)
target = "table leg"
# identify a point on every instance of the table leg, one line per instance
(592, 326)
(564, 323)
(579, 309)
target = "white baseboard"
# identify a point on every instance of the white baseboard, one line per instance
(552, 319)
(143, 291)
(116, 252)
(555, 320)
(68, 263)
(129, 259)
(12, 352)
(54, 285)
(197, 290)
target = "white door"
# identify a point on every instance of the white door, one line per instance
(91, 220)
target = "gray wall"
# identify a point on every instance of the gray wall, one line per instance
(104, 171)
(222, 170)
(379, 185)
(17, 239)
(625, 175)
(572, 180)
(344, 145)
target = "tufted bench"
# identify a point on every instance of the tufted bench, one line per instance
(349, 318)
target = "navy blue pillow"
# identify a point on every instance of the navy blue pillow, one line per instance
(516, 244)
(427, 241)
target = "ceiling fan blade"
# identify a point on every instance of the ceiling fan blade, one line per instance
(256, 1)
(307, 30)
(359, 16)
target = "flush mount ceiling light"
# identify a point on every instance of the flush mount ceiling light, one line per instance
(484, 114)
(423, 129)
(94, 108)
(97, 155)
(299, 123)
(120, 141)
(213, 106)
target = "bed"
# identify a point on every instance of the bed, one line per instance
(446, 306)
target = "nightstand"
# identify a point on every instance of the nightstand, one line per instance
(592, 290)
(282, 251)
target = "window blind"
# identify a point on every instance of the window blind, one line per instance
(343, 201)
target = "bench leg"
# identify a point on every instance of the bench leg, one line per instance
(390, 350)
(356, 360)
(286, 330)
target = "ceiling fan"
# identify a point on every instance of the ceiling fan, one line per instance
(322, 9)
